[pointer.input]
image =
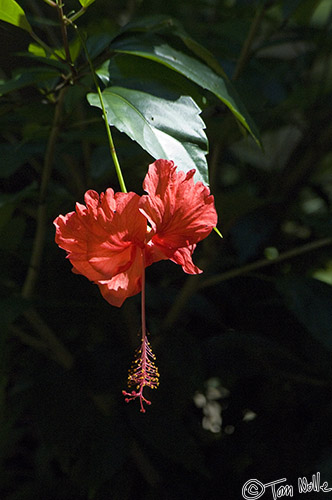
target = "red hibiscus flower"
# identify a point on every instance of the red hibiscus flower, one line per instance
(109, 240)
(115, 236)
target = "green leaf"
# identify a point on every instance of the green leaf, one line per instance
(156, 49)
(14, 156)
(97, 43)
(38, 53)
(12, 13)
(86, 3)
(25, 79)
(146, 75)
(74, 49)
(167, 25)
(306, 9)
(36, 50)
(170, 129)
(9, 202)
(11, 236)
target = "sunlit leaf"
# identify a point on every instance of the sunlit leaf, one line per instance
(164, 128)
(36, 50)
(159, 51)
(12, 13)
(39, 55)
(86, 3)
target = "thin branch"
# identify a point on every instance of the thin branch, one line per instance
(305, 379)
(39, 241)
(47, 49)
(75, 16)
(194, 283)
(189, 288)
(259, 264)
(246, 48)
(29, 340)
(57, 350)
(63, 26)
(38, 11)
(144, 465)
(51, 3)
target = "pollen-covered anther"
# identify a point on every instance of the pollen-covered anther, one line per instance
(143, 373)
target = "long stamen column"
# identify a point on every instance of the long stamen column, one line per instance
(143, 371)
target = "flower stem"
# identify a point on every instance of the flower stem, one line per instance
(143, 371)
(108, 129)
(143, 317)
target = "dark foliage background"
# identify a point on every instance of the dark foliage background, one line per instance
(244, 350)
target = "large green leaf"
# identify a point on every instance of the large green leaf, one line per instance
(167, 25)
(170, 129)
(156, 49)
(130, 71)
(12, 13)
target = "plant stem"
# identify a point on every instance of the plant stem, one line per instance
(110, 141)
(64, 35)
(245, 52)
(259, 264)
(193, 283)
(29, 340)
(57, 350)
(77, 15)
(108, 129)
(144, 465)
(47, 49)
(38, 244)
(188, 289)
(51, 3)
(49, 30)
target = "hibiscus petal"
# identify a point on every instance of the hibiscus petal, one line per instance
(101, 237)
(124, 285)
(182, 256)
(180, 211)
(128, 229)
(72, 236)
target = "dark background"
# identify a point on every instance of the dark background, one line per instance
(244, 350)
